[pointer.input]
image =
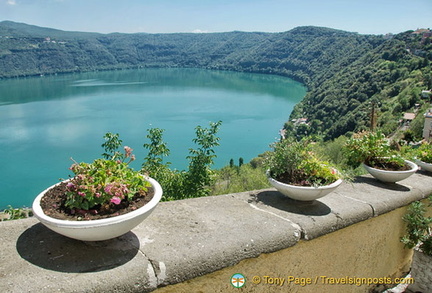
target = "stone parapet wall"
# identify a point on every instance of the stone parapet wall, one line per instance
(196, 245)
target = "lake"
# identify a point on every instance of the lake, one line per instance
(46, 120)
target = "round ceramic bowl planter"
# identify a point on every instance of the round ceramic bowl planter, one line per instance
(98, 230)
(392, 176)
(424, 166)
(303, 193)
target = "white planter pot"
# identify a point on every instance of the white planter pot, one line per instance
(424, 166)
(303, 193)
(391, 176)
(98, 230)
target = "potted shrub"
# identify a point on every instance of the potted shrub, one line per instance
(424, 157)
(372, 150)
(419, 236)
(297, 172)
(104, 199)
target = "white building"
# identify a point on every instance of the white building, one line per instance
(427, 128)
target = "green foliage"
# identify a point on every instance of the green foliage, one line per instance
(366, 147)
(424, 153)
(343, 71)
(386, 72)
(372, 149)
(157, 150)
(237, 179)
(418, 228)
(111, 145)
(318, 172)
(172, 181)
(416, 126)
(334, 152)
(16, 213)
(286, 157)
(295, 161)
(104, 182)
(199, 177)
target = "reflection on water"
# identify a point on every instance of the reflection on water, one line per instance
(45, 121)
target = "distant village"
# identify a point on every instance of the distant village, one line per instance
(405, 121)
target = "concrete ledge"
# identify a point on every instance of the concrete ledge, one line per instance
(189, 238)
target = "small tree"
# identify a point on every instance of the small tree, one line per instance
(158, 149)
(199, 175)
(241, 161)
(196, 180)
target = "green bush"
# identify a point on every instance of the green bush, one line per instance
(194, 182)
(418, 228)
(239, 179)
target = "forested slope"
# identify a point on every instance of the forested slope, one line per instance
(344, 71)
(391, 75)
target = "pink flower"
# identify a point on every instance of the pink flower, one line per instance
(108, 188)
(97, 194)
(115, 200)
(81, 193)
(128, 151)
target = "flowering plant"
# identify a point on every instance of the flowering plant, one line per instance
(294, 162)
(105, 182)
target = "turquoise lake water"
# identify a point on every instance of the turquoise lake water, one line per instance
(46, 120)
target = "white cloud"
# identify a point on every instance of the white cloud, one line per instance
(11, 2)
(198, 31)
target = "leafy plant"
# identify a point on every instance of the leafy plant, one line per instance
(372, 149)
(104, 183)
(424, 153)
(293, 162)
(157, 150)
(172, 181)
(16, 213)
(418, 228)
(111, 145)
(199, 177)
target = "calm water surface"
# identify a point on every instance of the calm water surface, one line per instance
(46, 120)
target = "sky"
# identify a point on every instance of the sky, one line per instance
(202, 16)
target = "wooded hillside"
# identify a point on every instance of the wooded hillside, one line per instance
(344, 71)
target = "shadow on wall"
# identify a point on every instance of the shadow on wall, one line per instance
(281, 202)
(374, 182)
(49, 250)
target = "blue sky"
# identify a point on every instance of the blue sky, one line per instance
(169, 16)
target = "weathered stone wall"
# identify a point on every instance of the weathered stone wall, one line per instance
(369, 249)
(196, 245)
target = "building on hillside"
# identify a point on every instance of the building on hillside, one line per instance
(426, 94)
(427, 128)
(299, 121)
(408, 117)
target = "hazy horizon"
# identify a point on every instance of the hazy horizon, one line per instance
(163, 16)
